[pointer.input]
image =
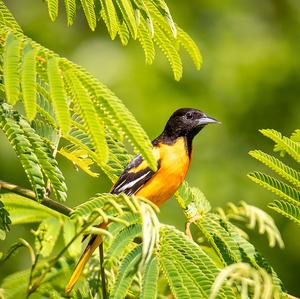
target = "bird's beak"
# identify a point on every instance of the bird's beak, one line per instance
(208, 120)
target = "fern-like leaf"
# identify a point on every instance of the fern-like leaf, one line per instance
(11, 68)
(125, 277)
(122, 240)
(28, 82)
(288, 145)
(70, 6)
(89, 11)
(58, 94)
(110, 17)
(279, 167)
(117, 111)
(150, 280)
(189, 271)
(191, 48)
(276, 186)
(254, 283)
(164, 10)
(21, 144)
(46, 160)
(7, 19)
(146, 42)
(128, 15)
(253, 216)
(53, 9)
(5, 221)
(93, 124)
(97, 202)
(170, 51)
(80, 158)
(123, 33)
(286, 209)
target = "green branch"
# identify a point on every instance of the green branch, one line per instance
(31, 195)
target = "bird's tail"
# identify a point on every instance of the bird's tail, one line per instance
(95, 241)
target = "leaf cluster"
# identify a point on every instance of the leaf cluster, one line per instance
(62, 101)
(147, 21)
(287, 187)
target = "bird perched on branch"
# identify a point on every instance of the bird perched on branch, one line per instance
(172, 150)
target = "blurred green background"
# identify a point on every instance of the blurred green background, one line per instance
(250, 79)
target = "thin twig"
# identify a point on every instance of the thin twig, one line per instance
(102, 271)
(54, 205)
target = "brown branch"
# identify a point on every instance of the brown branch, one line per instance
(54, 205)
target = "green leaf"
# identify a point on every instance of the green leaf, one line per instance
(15, 285)
(95, 202)
(93, 124)
(88, 8)
(70, 6)
(28, 81)
(47, 162)
(7, 19)
(128, 15)
(286, 209)
(285, 143)
(145, 39)
(188, 269)
(190, 46)
(192, 200)
(279, 167)
(276, 186)
(109, 15)
(170, 52)
(5, 222)
(11, 59)
(122, 241)
(150, 280)
(126, 273)
(58, 94)
(123, 33)
(80, 158)
(10, 124)
(53, 9)
(23, 210)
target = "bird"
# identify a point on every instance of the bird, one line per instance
(172, 150)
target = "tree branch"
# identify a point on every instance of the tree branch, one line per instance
(54, 205)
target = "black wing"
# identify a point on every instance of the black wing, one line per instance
(131, 181)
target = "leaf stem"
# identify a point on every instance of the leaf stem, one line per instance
(30, 194)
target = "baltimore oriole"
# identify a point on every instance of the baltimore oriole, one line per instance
(172, 150)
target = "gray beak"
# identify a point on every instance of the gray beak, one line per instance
(208, 120)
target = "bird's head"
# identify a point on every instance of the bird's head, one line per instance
(187, 122)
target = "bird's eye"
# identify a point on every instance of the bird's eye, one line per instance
(189, 115)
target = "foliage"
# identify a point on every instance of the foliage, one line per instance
(66, 110)
(289, 204)
(148, 21)
(253, 216)
(176, 263)
(256, 282)
(70, 102)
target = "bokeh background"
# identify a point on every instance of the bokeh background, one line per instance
(250, 79)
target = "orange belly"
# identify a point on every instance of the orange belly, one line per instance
(174, 164)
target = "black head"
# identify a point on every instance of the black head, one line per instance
(187, 122)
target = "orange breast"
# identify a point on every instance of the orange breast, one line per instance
(174, 164)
